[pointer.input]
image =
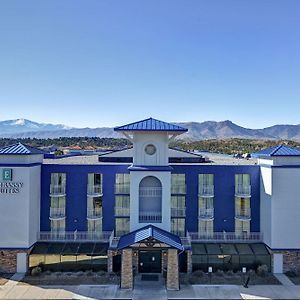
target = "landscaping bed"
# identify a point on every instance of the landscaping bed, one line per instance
(70, 278)
(220, 277)
(294, 276)
(4, 278)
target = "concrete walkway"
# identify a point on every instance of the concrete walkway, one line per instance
(150, 291)
(284, 280)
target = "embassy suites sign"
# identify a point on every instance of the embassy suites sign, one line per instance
(7, 185)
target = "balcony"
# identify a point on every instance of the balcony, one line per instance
(57, 190)
(243, 213)
(179, 189)
(150, 217)
(94, 214)
(150, 192)
(178, 212)
(72, 236)
(206, 191)
(122, 211)
(122, 188)
(94, 190)
(206, 213)
(243, 190)
(57, 213)
(226, 237)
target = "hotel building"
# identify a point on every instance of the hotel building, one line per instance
(149, 208)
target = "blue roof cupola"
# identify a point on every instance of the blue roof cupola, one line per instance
(20, 149)
(151, 124)
(280, 150)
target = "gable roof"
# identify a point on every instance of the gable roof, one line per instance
(20, 149)
(150, 231)
(280, 150)
(151, 124)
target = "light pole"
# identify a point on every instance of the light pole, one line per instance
(210, 273)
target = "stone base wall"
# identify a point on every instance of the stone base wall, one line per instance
(8, 260)
(126, 269)
(291, 260)
(173, 270)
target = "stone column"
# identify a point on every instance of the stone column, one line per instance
(189, 261)
(172, 270)
(126, 269)
(109, 261)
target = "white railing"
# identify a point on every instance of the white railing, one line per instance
(57, 213)
(69, 236)
(150, 192)
(151, 217)
(122, 211)
(94, 189)
(206, 190)
(186, 240)
(122, 188)
(243, 190)
(178, 189)
(57, 190)
(242, 213)
(206, 213)
(177, 212)
(226, 237)
(94, 213)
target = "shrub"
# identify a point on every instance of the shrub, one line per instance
(230, 273)
(291, 274)
(89, 273)
(198, 273)
(193, 279)
(220, 273)
(101, 273)
(262, 270)
(80, 273)
(58, 274)
(47, 272)
(36, 271)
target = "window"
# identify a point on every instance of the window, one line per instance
(58, 179)
(177, 206)
(122, 183)
(205, 227)
(150, 149)
(122, 205)
(242, 226)
(206, 180)
(57, 226)
(178, 226)
(242, 184)
(122, 226)
(178, 184)
(95, 225)
(95, 179)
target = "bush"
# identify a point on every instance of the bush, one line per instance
(230, 273)
(47, 272)
(291, 274)
(36, 271)
(89, 273)
(220, 273)
(101, 273)
(198, 273)
(79, 273)
(262, 270)
(58, 274)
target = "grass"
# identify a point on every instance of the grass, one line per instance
(4, 278)
(70, 278)
(235, 279)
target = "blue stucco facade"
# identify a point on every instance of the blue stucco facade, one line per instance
(224, 200)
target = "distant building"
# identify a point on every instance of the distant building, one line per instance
(149, 208)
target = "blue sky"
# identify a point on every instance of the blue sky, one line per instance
(105, 63)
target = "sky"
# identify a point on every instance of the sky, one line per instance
(93, 63)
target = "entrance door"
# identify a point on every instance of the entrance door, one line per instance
(149, 261)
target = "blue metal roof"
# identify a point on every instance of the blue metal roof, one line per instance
(280, 150)
(150, 125)
(18, 149)
(150, 231)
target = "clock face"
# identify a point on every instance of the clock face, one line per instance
(150, 149)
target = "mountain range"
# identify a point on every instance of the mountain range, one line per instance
(23, 128)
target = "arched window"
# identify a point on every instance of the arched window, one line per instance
(150, 200)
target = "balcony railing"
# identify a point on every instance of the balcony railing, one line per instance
(57, 213)
(94, 190)
(94, 213)
(206, 213)
(178, 189)
(206, 191)
(150, 192)
(78, 236)
(57, 190)
(243, 213)
(122, 211)
(151, 217)
(122, 188)
(243, 190)
(177, 212)
(226, 237)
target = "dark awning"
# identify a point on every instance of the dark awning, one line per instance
(147, 232)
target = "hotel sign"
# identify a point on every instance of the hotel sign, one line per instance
(8, 186)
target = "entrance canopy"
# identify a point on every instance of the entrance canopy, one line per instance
(150, 232)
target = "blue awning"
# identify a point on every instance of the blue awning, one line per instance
(147, 232)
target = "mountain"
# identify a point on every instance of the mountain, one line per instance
(22, 128)
(23, 125)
